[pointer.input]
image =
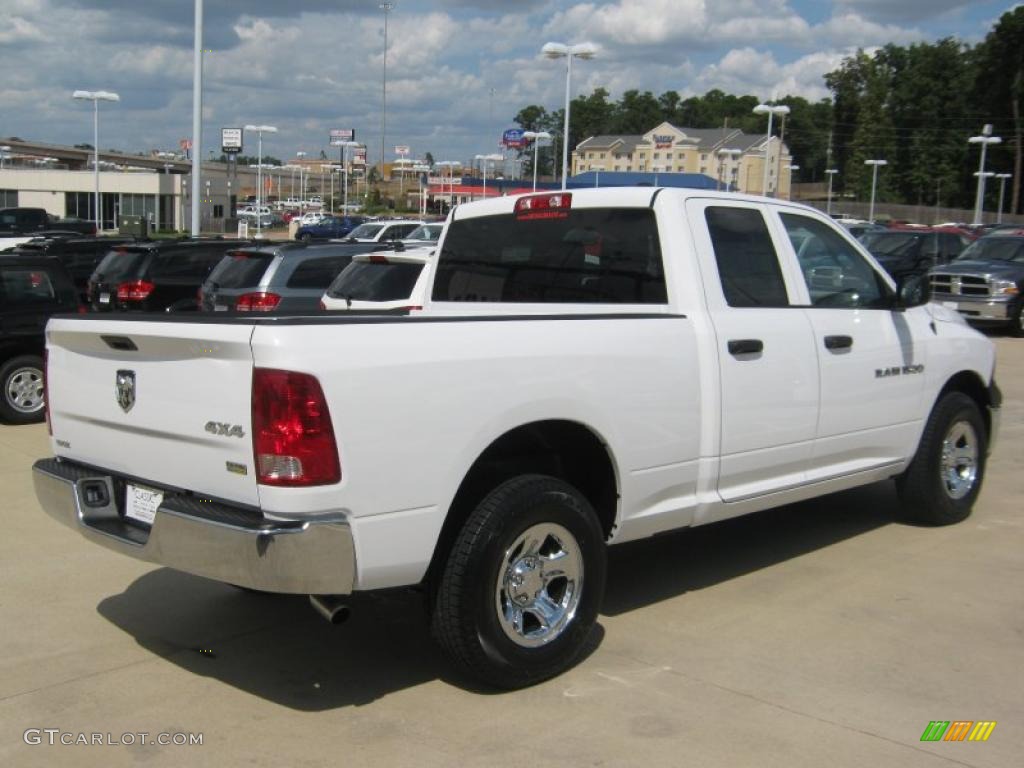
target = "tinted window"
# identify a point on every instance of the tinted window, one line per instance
(318, 273)
(243, 269)
(121, 263)
(372, 281)
(835, 273)
(895, 243)
(366, 230)
(747, 263)
(592, 255)
(426, 232)
(995, 249)
(26, 286)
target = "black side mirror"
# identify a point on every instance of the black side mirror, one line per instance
(913, 291)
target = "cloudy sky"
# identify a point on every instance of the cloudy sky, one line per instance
(457, 70)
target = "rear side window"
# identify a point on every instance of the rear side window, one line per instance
(26, 286)
(593, 256)
(243, 269)
(748, 265)
(373, 281)
(318, 273)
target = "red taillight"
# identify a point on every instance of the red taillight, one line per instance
(554, 205)
(83, 310)
(293, 440)
(257, 302)
(322, 305)
(136, 290)
(46, 390)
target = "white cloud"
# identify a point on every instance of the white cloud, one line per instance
(851, 31)
(746, 70)
(18, 29)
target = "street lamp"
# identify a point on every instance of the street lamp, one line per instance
(386, 7)
(96, 97)
(484, 159)
(726, 153)
(791, 168)
(569, 52)
(771, 111)
(260, 130)
(535, 137)
(830, 173)
(344, 165)
(985, 139)
(4, 154)
(450, 165)
(1002, 189)
(874, 181)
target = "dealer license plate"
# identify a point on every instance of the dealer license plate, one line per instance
(141, 503)
(104, 298)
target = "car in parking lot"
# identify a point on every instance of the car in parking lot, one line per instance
(386, 230)
(328, 227)
(425, 234)
(33, 287)
(913, 251)
(288, 277)
(156, 276)
(80, 255)
(311, 217)
(382, 280)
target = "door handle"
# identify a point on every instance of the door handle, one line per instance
(838, 342)
(745, 346)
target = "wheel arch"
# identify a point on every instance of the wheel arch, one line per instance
(971, 384)
(564, 449)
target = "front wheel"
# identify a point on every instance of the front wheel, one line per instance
(1016, 326)
(21, 399)
(523, 583)
(944, 478)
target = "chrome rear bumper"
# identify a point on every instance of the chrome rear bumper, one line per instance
(214, 540)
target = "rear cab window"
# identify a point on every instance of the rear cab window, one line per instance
(579, 255)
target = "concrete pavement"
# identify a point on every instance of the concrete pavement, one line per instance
(823, 633)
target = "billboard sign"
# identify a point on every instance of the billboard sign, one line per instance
(359, 156)
(513, 138)
(340, 135)
(230, 140)
(402, 150)
(663, 141)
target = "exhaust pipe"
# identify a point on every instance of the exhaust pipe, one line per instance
(331, 608)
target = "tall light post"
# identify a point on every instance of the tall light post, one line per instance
(386, 7)
(484, 160)
(96, 97)
(984, 139)
(771, 111)
(4, 154)
(568, 52)
(535, 137)
(726, 153)
(1002, 189)
(875, 164)
(260, 130)
(302, 188)
(791, 168)
(830, 172)
(344, 165)
(450, 165)
(197, 116)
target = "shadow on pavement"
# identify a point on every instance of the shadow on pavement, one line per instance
(276, 647)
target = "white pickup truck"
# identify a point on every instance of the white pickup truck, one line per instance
(589, 368)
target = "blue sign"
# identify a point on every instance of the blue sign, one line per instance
(513, 138)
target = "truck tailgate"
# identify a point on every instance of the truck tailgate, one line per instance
(162, 401)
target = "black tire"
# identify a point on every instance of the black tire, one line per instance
(481, 575)
(21, 390)
(305, 237)
(1016, 326)
(940, 490)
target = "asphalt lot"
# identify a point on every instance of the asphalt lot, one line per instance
(823, 633)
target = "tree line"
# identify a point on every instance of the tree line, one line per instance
(914, 106)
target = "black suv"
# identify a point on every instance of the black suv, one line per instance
(904, 252)
(156, 276)
(79, 255)
(32, 288)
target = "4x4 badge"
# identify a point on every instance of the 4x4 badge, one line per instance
(125, 390)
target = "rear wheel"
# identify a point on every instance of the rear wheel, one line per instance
(944, 479)
(523, 583)
(305, 237)
(21, 399)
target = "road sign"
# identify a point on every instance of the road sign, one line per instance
(341, 135)
(230, 140)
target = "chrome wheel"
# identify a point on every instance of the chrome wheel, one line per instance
(539, 585)
(24, 390)
(959, 464)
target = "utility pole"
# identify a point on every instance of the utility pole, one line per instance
(197, 118)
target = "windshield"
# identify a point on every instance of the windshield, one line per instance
(375, 281)
(995, 249)
(892, 243)
(366, 230)
(242, 269)
(430, 232)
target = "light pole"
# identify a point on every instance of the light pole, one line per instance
(569, 52)
(96, 97)
(831, 172)
(450, 165)
(726, 153)
(4, 154)
(771, 111)
(1002, 189)
(344, 166)
(791, 168)
(874, 181)
(535, 137)
(484, 160)
(302, 188)
(260, 130)
(386, 7)
(984, 139)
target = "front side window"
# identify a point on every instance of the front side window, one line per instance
(748, 265)
(588, 255)
(836, 274)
